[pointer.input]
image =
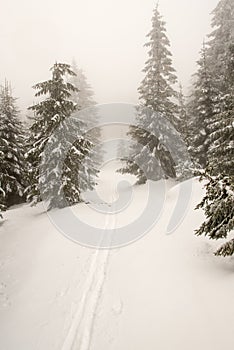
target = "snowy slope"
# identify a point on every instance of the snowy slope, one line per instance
(162, 292)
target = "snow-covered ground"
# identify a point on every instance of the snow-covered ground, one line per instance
(162, 292)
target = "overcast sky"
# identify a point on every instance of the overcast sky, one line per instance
(106, 38)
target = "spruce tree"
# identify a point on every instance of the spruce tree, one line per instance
(220, 45)
(219, 200)
(221, 151)
(202, 108)
(83, 96)
(12, 164)
(157, 98)
(54, 131)
(213, 93)
(218, 205)
(221, 57)
(221, 137)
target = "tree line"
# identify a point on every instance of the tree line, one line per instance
(204, 120)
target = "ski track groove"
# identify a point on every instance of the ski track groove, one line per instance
(80, 332)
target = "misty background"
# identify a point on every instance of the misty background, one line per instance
(105, 37)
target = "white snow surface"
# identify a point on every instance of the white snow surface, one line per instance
(163, 292)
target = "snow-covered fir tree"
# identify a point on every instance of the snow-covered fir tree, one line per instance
(156, 90)
(219, 200)
(54, 133)
(212, 102)
(219, 210)
(83, 96)
(202, 108)
(12, 163)
(221, 57)
(221, 139)
(157, 97)
(220, 45)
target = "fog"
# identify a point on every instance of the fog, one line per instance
(105, 37)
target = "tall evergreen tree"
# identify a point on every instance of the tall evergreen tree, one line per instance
(83, 96)
(220, 45)
(219, 200)
(202, 108)
(59, 187)
(213, 93)
(218, 204)
(157, 95)
(12, 164)
(221, 59)
(221, 151)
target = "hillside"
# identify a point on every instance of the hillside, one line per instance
(165, 291)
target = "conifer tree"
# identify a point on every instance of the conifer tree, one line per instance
(218, 204)
(221, 151)
(221, 57)
(54, 131)
(83, 96)
(157, 96)
(220, 46)
(202, 108)
(12, 164)
(219, 200)
(213, 93)
(221, 137)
